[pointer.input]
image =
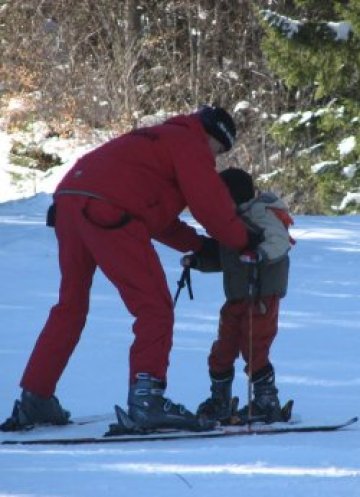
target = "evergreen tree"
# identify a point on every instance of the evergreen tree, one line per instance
(319, 133)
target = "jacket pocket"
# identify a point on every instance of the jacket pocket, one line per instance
(104, 215)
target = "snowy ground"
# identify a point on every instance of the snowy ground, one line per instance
(316, 356)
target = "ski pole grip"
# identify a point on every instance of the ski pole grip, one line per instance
(250, 257)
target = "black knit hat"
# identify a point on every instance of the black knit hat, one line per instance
(219, 124)
(239, 183)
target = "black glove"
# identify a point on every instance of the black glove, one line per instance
(189, 260)
(208, 251)
(255, 236)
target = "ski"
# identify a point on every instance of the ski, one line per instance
(163, 435)
(7, 426)
(88, 420)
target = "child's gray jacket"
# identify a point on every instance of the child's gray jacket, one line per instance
(269, 213)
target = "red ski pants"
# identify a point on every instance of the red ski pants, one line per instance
(234, 333)
(128, 259)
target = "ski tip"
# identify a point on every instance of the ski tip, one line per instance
(353, 420)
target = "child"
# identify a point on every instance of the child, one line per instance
(254, 283)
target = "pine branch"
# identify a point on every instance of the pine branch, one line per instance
(307, 32)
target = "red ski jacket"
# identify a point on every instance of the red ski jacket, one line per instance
(153, 174)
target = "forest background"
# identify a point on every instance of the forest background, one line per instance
(289, 71)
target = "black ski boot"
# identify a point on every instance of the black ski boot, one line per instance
(266, 406)
(149, 409)
(33, 410)
(218, 407)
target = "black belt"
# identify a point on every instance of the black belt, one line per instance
(51, 213)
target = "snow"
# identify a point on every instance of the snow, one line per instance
(30, 181)
(306, 117)
(350, 170)
(343, 30)
(289, 26)
(346, 146)
(288, 116)
(349, 197)
(316, 355)
(323, 165)
(241, 106)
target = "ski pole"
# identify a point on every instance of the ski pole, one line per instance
(184, 280)
(252, 262)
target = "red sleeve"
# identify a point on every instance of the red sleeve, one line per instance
(206, 195)
(180, 236)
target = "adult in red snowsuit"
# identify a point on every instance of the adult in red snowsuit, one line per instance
(110, 205)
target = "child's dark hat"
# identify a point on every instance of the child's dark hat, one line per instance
(219, 124)
(239, 183)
